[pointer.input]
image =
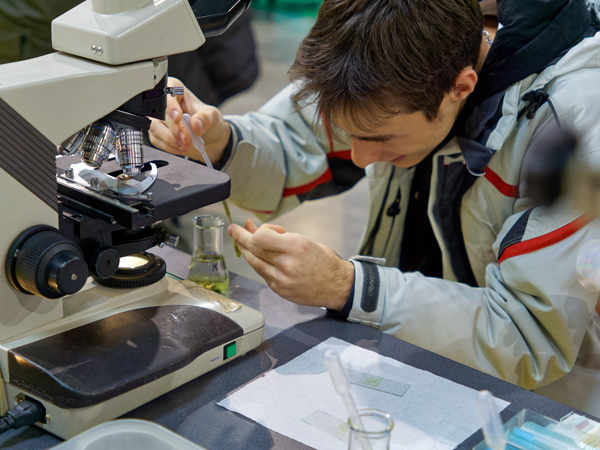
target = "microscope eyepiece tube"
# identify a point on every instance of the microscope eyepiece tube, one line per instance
(129, 150)
(97, 144)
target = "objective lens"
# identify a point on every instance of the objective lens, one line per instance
(97, 144)
(73, 144)
(129, 150)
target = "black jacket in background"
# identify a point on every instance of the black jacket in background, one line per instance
(225, 65)
(534, 34)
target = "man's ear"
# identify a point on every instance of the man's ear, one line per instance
(465, 84)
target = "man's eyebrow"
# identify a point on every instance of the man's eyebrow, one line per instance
(378, 138)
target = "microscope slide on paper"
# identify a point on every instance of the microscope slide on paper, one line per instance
(338, 428)
(376, 382)
(328, 424)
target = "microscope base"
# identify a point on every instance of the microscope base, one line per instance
(125, 348)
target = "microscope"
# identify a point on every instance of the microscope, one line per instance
(91, 323)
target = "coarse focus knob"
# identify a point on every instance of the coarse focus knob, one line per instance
(45, 263)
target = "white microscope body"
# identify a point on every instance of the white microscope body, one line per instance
(110, 53)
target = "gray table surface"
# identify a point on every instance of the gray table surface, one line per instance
(191, 410)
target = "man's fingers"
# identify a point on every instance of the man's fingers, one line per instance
(173, 116)
(251, 227)
(269, 238)
(242, 236)
(252, 254)
(198, 124)
(202, 120)
(274, 238)
(262, 267)
(175, 136)
(261, 247)
(277, 228)
(162, 137)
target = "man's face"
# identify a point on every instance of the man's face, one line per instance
(403, 140)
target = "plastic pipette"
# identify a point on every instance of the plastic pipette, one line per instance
(198, 144)
(493, 431)
(197, 141)
(340, 382)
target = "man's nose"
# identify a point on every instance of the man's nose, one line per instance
(363, 155)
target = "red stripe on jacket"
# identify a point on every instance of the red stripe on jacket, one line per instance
(531, 245)
(327, 176)
(261, 212)
(309, 186)
(509, 190)
(341, 154)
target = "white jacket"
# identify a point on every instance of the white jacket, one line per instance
(524, 318)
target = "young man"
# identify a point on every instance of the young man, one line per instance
(458, 259)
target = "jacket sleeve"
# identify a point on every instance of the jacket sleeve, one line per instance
(282, 156)
(525, 326)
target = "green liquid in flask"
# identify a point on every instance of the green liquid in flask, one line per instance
(208, 270)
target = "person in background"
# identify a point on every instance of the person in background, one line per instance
(25, 27)
(441, 114)
(224, 66)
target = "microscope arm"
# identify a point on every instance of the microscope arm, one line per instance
(60, 94)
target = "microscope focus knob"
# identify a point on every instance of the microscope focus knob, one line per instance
(104, 262)
(45, 263)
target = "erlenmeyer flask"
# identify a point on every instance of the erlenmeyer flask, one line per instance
(207, 267)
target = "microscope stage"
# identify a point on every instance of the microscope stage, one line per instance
(181, 186)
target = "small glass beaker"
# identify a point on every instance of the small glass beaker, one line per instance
(207, 267)
(372, 432)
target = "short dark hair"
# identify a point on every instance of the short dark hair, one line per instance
(371, 59)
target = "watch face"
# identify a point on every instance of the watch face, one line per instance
(215, 16)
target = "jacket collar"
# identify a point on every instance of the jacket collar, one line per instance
(476, 155)
(535, 33)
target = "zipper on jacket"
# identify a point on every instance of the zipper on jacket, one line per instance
(394, 208)
(536, 99)
(367, 248)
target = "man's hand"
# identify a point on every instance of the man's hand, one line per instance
(207, 121)
(296, 268)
